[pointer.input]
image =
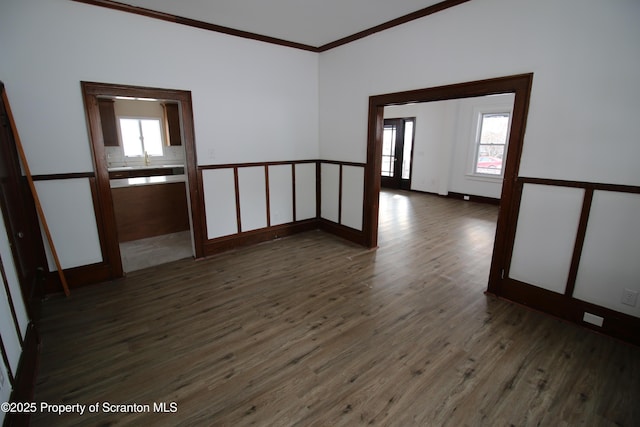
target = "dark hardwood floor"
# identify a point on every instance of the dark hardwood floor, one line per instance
(311, 330)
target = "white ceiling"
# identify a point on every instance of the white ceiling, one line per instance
(310, 22)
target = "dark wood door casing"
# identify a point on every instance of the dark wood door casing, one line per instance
(520, 85)
(91, 92)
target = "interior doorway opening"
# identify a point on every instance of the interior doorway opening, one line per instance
(149, 165)
(520, 86)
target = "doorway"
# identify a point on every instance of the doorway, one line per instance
(106, 170)
(520, 86)
(397, 153)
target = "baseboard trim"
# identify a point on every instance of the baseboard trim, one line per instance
(618, 325)
(78, 277)
(222, 244)
(343, 231)
(472, 198)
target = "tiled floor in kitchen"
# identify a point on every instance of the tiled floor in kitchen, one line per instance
(151, 251)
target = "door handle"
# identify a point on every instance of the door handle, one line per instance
(20, 234)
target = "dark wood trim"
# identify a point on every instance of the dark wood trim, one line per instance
(372, 178)
(254, 164)
(497, 275)
(616, 324)
(12, 307)
(222, 244)
(582, 184)
(393, 23)
(5, 359)
(236, 184)
(318, 189)
(103, 202)
(202, 213)
(61, 176)
(109, 4)
(340, 195)
(342, 231)
(341, 163)
(473, 198)
(267, 194)
(25, 381)
(579, 243)
(100, 223)
(520, 85)
(293, 190)
(80, 276)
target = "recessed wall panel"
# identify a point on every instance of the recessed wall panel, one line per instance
(545, 235)
(253, 198)
(610, 255)
(219, 202)
(280, 194)
(305, 191)
(9, 335)
(69, 213)
(352, 196)
(330, 187)
(11, 275)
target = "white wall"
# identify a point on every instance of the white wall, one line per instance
(252, 101)
(584, 89)
(444, 144)
(583, 117)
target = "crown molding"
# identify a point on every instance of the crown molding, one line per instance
(110, 4)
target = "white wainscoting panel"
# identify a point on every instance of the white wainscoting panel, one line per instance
(7, 331)
(10, 337)
(11, 274)
(69, 212)
(219, 202)
(330, 186)
(305, 191)
(352, 196)
(253, 198)
(280, 194)
(610, 261)
(545, 235)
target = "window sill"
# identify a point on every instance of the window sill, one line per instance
(484, 178)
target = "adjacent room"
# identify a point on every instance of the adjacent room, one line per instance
(417, 212)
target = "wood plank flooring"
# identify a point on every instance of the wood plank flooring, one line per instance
(311, 330)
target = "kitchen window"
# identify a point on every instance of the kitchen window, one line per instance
(140, 136)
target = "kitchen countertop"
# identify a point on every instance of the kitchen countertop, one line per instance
(146, 180)
(128, 168)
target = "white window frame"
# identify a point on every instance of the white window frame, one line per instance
(474, 150)
(162, 134)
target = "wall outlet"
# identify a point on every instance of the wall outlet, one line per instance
(630, 297)
(593, 319)
(466, 197)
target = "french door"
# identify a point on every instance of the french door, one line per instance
(397, 148)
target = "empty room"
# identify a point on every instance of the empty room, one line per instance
(284, 213)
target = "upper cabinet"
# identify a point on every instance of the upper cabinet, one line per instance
(108, 120)
(113, 109)
(172, 116)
